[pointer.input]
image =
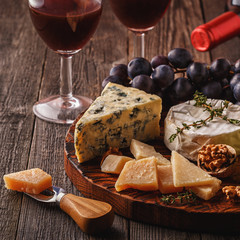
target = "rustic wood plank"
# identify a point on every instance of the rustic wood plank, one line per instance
(229, 49)
(146, 231)
(19, 64)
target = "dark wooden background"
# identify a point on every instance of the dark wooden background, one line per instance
(29, 71)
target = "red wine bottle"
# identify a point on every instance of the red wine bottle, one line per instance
(218, 30)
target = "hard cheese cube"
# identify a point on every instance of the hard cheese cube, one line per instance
(165, 180)
(30, 181)
(142, 150)
(187, 174)
(141, 175)
(207, 191)
(114, 163)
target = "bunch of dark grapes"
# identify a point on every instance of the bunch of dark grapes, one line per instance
(177, 76)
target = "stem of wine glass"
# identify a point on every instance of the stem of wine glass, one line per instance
(139, 45)
(66, 77)
(63, 108)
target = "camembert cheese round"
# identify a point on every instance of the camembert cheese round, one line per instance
(215, 131)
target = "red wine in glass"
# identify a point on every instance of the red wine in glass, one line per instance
(65, 26)
(139, 16)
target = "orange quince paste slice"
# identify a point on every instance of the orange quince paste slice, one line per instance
(31, 181)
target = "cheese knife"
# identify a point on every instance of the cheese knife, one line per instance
(91, 216)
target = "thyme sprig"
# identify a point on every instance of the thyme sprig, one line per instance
(201, 101)
(185, 197)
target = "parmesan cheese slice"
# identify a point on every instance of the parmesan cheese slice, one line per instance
(141, 175)
(114, 163)
(142, 150)
(207, 191)
(165, 179)
(186, 174)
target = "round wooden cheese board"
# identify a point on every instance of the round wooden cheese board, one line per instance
(215, 215)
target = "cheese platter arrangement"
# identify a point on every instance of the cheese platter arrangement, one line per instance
(176, 167)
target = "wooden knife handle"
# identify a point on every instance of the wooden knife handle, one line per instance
(91, 216)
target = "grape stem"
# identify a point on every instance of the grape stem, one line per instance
(201, 101)
(183, 71)
(179, 71)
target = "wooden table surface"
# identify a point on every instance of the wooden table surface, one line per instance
(30, 71)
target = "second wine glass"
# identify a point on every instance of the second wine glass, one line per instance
(65, 26)
(139, 16)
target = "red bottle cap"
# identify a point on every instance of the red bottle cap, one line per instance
(218, 30)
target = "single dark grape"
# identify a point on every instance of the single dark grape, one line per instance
(182, 89)
(169, 95)
(224, 82)
(212, 89)
(198, 73)
(227, 94)
(237, 66)
(234, 80)
(119, 70)
(163, 76)
(236, 91)
(139, 66)
(159, 60)
(154, 88)
(143, 82)
(180, 57)
(114, 79)
(220, 68)
(160, 94)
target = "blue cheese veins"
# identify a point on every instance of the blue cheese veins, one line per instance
(114, 119)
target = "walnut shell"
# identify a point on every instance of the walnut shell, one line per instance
(228, 165)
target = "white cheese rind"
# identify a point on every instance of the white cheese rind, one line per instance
(114, 119)
(216, 131)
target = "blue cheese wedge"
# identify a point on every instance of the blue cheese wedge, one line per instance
(114, 119)
(216, 131)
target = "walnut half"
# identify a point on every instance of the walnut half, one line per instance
(231, 191)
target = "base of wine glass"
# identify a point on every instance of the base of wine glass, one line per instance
(60, 109)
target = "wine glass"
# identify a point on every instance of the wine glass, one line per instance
(65, 26)
(139, 16)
